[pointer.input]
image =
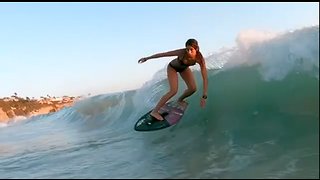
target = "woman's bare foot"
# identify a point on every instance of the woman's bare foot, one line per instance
(182, 102)
(156, 115)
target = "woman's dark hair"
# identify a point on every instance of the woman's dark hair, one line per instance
(195, 45)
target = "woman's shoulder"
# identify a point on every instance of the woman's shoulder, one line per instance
(181, 53)
(200, 60)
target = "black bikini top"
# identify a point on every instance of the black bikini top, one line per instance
(181, 60)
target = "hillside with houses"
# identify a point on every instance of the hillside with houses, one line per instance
(14, 106)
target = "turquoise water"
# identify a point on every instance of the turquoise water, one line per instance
(261, 121)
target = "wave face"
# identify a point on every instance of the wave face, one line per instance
(261, 121)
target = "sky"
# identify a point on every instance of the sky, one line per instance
(86, 48)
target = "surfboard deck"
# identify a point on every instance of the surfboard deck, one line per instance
(172, 112)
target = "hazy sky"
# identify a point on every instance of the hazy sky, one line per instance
(80, 48)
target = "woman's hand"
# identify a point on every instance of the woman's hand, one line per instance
(142, 60)
(202, 102)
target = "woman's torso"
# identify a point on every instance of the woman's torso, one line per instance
(181, 63)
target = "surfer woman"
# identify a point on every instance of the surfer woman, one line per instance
(188, 56)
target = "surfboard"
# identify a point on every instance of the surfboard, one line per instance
(172, 112)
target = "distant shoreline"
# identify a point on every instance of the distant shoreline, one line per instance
(14, 106)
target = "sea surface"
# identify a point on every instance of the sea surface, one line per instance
(261, 120)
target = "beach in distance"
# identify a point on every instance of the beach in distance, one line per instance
(14, 107)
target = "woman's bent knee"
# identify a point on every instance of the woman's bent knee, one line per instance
(192, 90)
(172, 92)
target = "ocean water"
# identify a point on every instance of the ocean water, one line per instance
(261, 121)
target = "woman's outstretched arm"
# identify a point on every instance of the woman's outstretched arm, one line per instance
(177, 52)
